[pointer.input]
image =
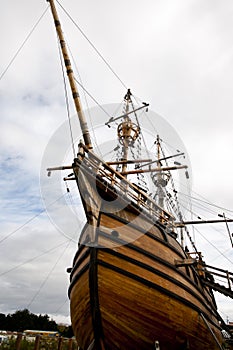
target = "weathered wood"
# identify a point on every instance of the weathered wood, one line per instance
(59, 343)
(197, 222)
(18, 341)
(70, 344)
(141, 171)
(129, 161)
(37, 343)
(185, 262)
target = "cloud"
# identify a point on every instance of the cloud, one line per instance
(176, 55)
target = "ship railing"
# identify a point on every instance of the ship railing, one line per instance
(224, 275)
(208, 272)
(119, 183)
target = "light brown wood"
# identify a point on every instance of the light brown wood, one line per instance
(81, 317)
(126, 290)
(133, 314)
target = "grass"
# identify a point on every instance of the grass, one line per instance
(45, 344)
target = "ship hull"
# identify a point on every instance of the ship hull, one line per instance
(132, 295)
(129, 288)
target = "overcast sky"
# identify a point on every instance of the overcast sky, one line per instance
(175, 54)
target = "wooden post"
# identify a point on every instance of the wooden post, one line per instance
(228, 279)
(59, 347)
(18, 341)
(70, 344)
(37, 343)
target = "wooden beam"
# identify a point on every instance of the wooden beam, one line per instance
(154, 170)
(132, 161)
(182, 224)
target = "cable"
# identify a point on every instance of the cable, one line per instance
(47, 277)
(22, 45)
(32, 218)
(214, 246)
(86, 101)
(92, 45)
(204, 200)
(101, 107)
(32, 259)
(20, 227)
(66, 99)
(61, 306)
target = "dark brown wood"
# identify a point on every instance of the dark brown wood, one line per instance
(37, 343)
(70, 344)
(18, 341)
(197, 222)
(59, 343)
(129, 161)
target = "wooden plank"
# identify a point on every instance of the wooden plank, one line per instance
(134, 316)
(171, 282)
(80, 309)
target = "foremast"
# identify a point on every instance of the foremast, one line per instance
(70, 74)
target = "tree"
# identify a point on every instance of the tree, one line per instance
(24, 319)
(65, 331)
(2, 321)
(21, 320)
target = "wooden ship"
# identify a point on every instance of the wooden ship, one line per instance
(133, 284)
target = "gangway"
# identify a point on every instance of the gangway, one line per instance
(225, 286)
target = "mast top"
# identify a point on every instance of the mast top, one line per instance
(70, 74)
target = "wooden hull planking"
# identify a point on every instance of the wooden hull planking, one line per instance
(129, 295)
(126, 291)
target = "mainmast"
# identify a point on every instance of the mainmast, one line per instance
(73, 86)
(127, 132)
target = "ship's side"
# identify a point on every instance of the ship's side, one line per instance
(128, 289)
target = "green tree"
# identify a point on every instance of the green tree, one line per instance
(24, 319)
(2, 321)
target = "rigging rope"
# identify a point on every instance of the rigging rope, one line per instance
(86, 101)
(92, 45)
(214, 246)
(32, 259)
(175, 203)
(88, 93)
(48, 275)
(21, 226)
(32, 218)
(61, 306)
(204, 200)
(66, 98)
(22, 45)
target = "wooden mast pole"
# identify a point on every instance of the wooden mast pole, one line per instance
(182, 224)
(126, 138)
(159, 178)
(70, 74)
(127, 133)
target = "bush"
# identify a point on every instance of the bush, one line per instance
(46, 343)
